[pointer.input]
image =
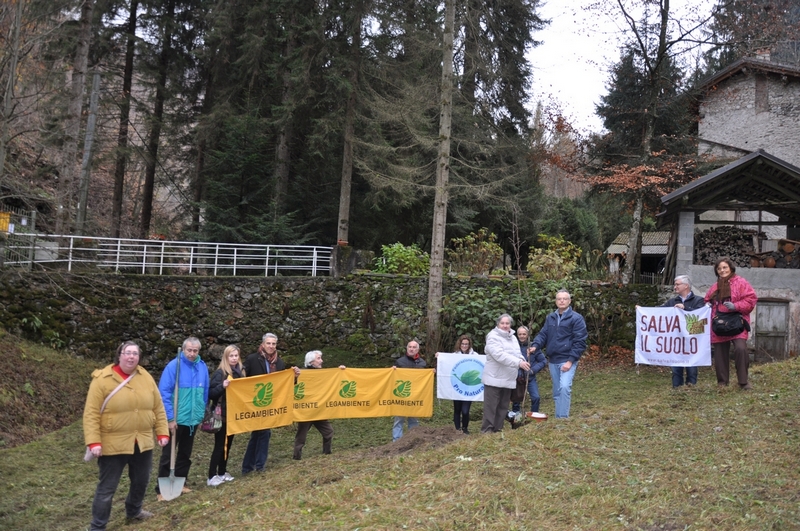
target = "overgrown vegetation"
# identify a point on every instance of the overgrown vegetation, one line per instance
(475, 254)
(556, 259)
(634, 455)
(403, 260)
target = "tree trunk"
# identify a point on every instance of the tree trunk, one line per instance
(633, 242)
(157, 122)
(8, 97)
(283, 155)
(86, 165)
(73, 121)
(124, 120)
(349, 133)
(442, 177)
(471, 32)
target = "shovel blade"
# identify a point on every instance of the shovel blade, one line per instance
(170, 487)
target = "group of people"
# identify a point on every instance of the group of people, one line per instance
(730, 293)
(122, 413)
(124, 406)
(510, 360)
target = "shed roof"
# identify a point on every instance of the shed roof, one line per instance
(653, 243)
(758, 181)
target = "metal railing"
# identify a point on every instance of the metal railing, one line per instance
(647, 278)
(157, 257)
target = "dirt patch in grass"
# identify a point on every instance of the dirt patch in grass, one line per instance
(420, 438)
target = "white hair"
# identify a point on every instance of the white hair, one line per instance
(685, 279)
(311, 356)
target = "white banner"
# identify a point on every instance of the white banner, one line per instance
(672, 337)
(458, 376)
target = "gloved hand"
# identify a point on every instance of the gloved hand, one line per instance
(729, 305)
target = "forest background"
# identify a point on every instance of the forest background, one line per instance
(316, 121)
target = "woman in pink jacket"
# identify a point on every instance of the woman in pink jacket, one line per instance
(731, 293)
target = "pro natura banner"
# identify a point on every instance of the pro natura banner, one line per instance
(458, 376)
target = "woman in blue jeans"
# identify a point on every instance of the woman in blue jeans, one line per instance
(461, 407)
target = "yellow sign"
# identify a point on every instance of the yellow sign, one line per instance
(359, 393)
(259, 402)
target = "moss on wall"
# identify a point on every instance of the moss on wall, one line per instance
(374, 314)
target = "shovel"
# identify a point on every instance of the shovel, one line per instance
(172, 487)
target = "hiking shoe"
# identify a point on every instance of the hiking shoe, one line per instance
(143, 515)
(226, 477)
(216, 481)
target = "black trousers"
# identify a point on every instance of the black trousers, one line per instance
(461, 414)
(184, 441)
(110, 472)
(219, 455)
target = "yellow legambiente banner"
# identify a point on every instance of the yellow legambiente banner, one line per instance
(321, 394)
(259, 402)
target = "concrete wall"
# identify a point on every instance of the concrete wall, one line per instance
(731, 115)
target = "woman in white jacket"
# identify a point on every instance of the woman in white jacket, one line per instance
(503, 359)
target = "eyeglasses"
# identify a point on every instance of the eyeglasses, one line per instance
(192, 350)
(130, 354)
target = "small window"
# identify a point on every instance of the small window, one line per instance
(762, 94)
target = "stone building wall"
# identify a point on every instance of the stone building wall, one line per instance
(751, 111)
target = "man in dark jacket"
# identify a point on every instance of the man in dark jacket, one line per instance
(688, 301)
(264, 361)
(563, 337)
(411, 360)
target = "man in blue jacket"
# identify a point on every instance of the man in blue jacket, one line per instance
(563, 337)
(192, 399)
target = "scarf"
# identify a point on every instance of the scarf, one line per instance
(270, 360)
(724, 288)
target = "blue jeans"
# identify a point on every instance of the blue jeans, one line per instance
(533, 392)
(255, 457)
(677, 376)
(397, 427)
(562, 387)
(111, 467)
(461, 414)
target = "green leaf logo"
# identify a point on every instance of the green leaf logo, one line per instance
(263, 396)
(403, 389)
(300, 391)
(472, 377)
(348, 389)
(695, 325)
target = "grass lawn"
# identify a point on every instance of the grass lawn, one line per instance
(634, 455)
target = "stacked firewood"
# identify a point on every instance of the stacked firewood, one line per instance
(786, 257)
(712, 244)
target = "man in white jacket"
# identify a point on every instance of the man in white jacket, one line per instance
(503, 359)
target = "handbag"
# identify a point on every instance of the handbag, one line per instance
(212, 421)
(88, 456)
(729, 324)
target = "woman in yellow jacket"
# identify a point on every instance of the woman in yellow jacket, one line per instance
(119, 423)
